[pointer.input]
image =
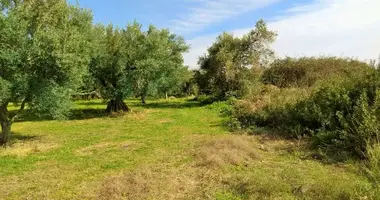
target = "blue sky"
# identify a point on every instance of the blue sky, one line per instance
(189, 18)
(305, 27)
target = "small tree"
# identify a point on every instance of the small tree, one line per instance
(159, 64)
(225, 69)
(44, 52)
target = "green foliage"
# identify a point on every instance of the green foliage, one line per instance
(52, 101)
(226, 69)
(268, 107)
(131, 61)
(44, 50)
(189, 86)
(373, 164)
(344, 116)
(340, 116)
(175, 82)
(108, 65)
(222, 107)
(43, 44)
(309, 71)
(159, 62)
(4, 90)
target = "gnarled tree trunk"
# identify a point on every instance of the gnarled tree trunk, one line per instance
(5, 136)
(117, 105)
(143, 99)
(6, 123)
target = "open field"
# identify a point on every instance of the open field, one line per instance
(174, 149)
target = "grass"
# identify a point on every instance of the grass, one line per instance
(174, 149)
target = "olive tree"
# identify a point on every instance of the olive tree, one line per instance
(132, 61)
(159, 63)
(226, 68)
(110, 66)
(44, 52)
(173, 80)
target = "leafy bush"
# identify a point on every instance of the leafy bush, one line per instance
(268, 107)
(343, 115)
(223, 107)
(309, 71)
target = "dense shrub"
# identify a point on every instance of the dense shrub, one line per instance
(341, 115)
(309, 71)
(345, 116)
(268, 107)
(222, 107)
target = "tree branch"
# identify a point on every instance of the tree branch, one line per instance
(22, 108)
(4, 112)
(95, 92)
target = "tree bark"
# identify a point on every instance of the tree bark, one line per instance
(6, 124)
(5, 136)
(117, 105)
(143, 99)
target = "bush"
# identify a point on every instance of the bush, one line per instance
(343, 115)
(268, 107)
(222, 107)
(309, 71)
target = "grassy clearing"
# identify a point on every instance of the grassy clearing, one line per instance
(172, 149)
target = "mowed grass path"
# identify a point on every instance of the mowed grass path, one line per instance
(173, 149)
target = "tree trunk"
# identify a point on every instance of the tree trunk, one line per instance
(117, 105)
(5, 136)
(143, 99)
(166, 95)
(5, 122)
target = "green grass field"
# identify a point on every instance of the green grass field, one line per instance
(174, 149)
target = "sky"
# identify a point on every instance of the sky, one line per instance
(348, 28)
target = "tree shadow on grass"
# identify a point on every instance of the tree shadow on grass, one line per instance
(75, 114)
(20, 137)
(17, 138)
(137, 103)
(169, 105)
(92, 113)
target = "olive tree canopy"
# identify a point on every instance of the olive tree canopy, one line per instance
(44, 53)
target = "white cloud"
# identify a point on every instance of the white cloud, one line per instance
(212, 11)
(348, 28)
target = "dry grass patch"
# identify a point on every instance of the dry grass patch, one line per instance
(21, 149)
(103, 147)
(229, 150)
(138, 115)
(154, 182)
(165, 121)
